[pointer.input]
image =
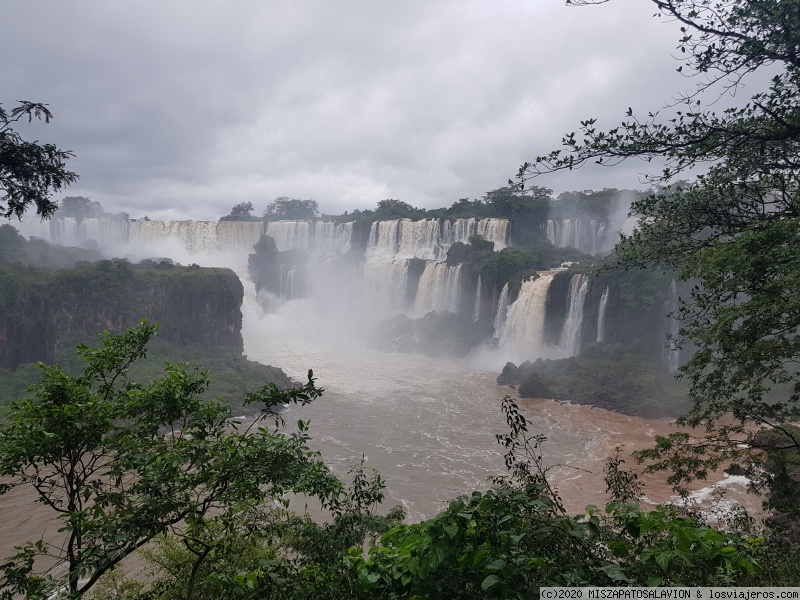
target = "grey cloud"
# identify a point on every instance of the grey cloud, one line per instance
(183, 109)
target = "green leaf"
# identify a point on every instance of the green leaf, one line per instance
(489, 582)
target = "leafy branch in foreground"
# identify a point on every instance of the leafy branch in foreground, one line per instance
(29, 171)
(120, 462)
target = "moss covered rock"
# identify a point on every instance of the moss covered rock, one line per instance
(533, 387)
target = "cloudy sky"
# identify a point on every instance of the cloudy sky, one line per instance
(182, 109)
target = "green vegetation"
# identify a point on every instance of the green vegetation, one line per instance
(731, 231)
(79, 207)
(94, 449)
(608, 376)
(45, 310)
(29, 171)
(284, 208)
(241, 212)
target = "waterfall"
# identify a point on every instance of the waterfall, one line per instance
(502, 309)
(385, 283)
(383, 240)
(585, 235)
(384, 274)
(439, 289)
(430, 238)
(525, 318)
(196, 236)
(492, 230)
(551, 232)
(565, 237)
(476, 313)
(289, 235)
(601, 316)
(570, 342)
(592, 243)
(671, 354)
(331, 238)
(420, 239)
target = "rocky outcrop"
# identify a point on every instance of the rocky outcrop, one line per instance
(533, 387)
(281, 274)
(45, 310)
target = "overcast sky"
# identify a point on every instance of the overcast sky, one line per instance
(182, 109)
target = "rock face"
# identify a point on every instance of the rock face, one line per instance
(45, 310)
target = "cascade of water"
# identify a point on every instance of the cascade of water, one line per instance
(289, 235)
(592, 245)
(525, 317)
(385, 282)
(383, 240)
(570, 342)
(344, 237)
(420, 239)
(476, 313)
(551, 231)
(439, 289)
(585, 235)
(601, 316)
(69, 231)
(502, 309)
(493, 230)
(671, 353)
(600, 237)
(289, 289)
(197, 236)
(331, 238)
(565, 235)
(429, 239)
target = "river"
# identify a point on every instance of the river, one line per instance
(428, 424)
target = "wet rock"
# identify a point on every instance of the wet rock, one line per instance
(509, 376)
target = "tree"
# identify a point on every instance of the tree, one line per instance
(732, 231)
(80, 208)
(243, 209)
(395, 209)
(120, 462)
(291, 209)
(526, 210)
(29, 171)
